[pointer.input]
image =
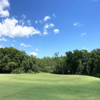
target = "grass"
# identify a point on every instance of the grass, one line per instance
(45, 86)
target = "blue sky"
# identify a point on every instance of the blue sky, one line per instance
(43, 27)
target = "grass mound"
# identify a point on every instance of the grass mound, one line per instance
(45, 86)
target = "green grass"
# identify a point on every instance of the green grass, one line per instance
(45, 86)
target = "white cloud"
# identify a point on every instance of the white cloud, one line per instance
(4, 4)
(22, 22)
(46, 27)
(3, 39)
(54, 15)
(56, 31)
(40, 21)
(33, 53)
(47, 18)
(51, 25)
(77, 24)
(25, 45)
(29, 22)
(36, 49)
(36, 22)
(45, 32)
(83, 34)
(86, 48)
(9, 27)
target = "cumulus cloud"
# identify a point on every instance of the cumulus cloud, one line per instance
(56, 31)
(45, 32)
(83, 34)
(46, 27)
(10, 27)
(33, 53)
(4, 4)
(3, 39)
(77, 24)
(25, 45)
(47, 18)
(51, 25)
(40, 21)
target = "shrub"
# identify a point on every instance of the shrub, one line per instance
(18, 71)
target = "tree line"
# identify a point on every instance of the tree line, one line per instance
(79, 62)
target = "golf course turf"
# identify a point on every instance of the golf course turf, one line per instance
(44, 86)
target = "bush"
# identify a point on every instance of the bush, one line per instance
(97, 75)
(48, 69)
(30, 71)
(18, 71)
(36, 69)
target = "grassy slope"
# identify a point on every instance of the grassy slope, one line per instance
(49, 87)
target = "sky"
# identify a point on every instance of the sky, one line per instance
(43, 27)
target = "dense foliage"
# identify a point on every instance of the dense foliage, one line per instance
(76, 62)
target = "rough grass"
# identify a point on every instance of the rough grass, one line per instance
(49, 87)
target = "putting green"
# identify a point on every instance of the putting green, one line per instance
(45, 86)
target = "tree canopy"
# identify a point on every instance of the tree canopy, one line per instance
(74, 62)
